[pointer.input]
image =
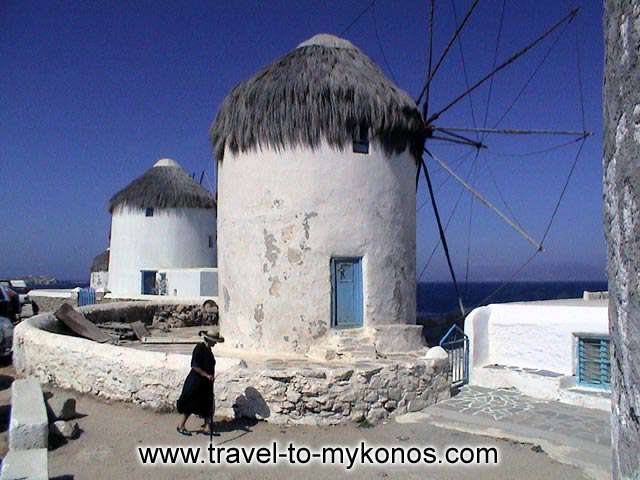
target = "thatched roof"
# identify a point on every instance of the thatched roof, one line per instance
(325, 88)
(101, 262)
(166, 185)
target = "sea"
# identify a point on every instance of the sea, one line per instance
(439, 298)
(435, 299)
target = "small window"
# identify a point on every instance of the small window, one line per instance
(593, 362)
(148, 212)
(361, 140)
(210, 241)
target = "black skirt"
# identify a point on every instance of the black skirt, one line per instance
(197, 392)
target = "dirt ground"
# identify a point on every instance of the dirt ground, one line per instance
(110, 434)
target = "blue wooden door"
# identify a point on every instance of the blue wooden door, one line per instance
(346, 280)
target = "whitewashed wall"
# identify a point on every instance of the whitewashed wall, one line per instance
(171, 238)
(99, 280)
(192, 282)
(531, 335)
(284, 214)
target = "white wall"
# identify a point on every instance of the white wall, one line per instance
(99, 280)
(284, 214)
(531, 335)
(192, 282)
(171, 238)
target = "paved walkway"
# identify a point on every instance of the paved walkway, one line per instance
(570, 434)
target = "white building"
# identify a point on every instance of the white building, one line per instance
(317, 160)
(163, 236)
(553, 350)
(100, 272)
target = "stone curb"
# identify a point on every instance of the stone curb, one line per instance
(29, 425)
(25, 464)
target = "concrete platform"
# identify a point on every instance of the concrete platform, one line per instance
(29, 425)
(542, 384)
(25, 465)
(569, 434)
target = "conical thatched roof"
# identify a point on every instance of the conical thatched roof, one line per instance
(166, 185)
(100, 262)
(325, 88)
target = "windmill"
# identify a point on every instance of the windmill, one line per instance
(436, 128)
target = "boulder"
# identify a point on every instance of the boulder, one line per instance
(437, 354)
(68, 430)
(62, 407)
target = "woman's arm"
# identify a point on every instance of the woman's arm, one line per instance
(201, 372)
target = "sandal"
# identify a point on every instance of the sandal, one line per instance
(183, 431)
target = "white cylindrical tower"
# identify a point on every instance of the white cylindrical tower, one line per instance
(161, 220)
(317, 159)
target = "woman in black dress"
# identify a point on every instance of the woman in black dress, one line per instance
(197, 392)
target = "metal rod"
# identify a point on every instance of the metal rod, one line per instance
(462, 137)
(486, 202)
(425, 107)
(443, 237)
(354, 21)
(446, 50)
(513, 131)
(504, 64)
(469, 143)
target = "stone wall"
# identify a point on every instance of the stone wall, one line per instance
(51, 303)
(327, 395)
(176, 316)
(622, 225)
(279, 391)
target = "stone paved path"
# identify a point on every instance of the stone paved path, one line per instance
(574, 435)
(512, 406)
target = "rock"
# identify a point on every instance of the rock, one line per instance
(395, 394)
(175, 323)
(371, 396)
(293, 396)
(68, 430)
(416, 405)
(62, 407)
(357, 416)
(343, 374)
(390, 405)
(376, 415)
(367, 373)
(436, 354)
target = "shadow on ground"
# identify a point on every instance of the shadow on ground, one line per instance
(242, 426)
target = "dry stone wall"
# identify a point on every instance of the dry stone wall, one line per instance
(622, 226)
(279, 391)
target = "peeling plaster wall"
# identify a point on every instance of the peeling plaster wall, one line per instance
(622, 226)
(283, 215)
(171, 238)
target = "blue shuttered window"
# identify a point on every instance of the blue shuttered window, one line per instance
(593, 362)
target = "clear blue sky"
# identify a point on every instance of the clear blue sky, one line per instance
(93, 93)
